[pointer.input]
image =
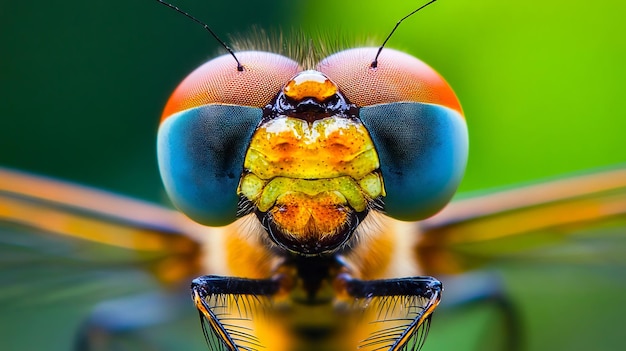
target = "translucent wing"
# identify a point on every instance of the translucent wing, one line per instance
(502, 223)
(65, 249)
(559, 249)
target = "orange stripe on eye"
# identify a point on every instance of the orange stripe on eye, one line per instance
(398, 77)
(219, 82)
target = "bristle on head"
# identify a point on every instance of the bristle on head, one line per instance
(305, 49)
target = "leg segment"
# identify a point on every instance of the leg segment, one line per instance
(400, 309)
(227, 307)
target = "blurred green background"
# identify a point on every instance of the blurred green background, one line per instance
(82, 85)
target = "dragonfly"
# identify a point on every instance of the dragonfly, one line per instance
(175, 252)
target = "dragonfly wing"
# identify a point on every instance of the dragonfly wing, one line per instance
(471, 232)
(65, 249)
(555, 251)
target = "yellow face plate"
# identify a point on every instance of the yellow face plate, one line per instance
(327, 148)
(307, 174)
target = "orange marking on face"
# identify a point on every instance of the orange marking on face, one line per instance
(312, 217)
(310, 84)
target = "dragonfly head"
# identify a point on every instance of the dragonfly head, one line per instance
(311, 152)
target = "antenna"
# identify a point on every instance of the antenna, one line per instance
(230, 51)
(375, 62)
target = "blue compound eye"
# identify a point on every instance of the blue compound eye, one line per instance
(422, 150)
(206, 127)
(201, 153)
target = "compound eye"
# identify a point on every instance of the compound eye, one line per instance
(397, 77)
(206, 127)
(415, 121)
(219, 82)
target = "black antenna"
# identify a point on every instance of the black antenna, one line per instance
(230, 51)
(375, 62)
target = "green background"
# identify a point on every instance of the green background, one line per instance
(82, 84)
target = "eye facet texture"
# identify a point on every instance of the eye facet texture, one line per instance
(201, 152)
(398, 77)
(219, 82)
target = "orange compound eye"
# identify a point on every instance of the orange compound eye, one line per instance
(398, 77)
(219, 82)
